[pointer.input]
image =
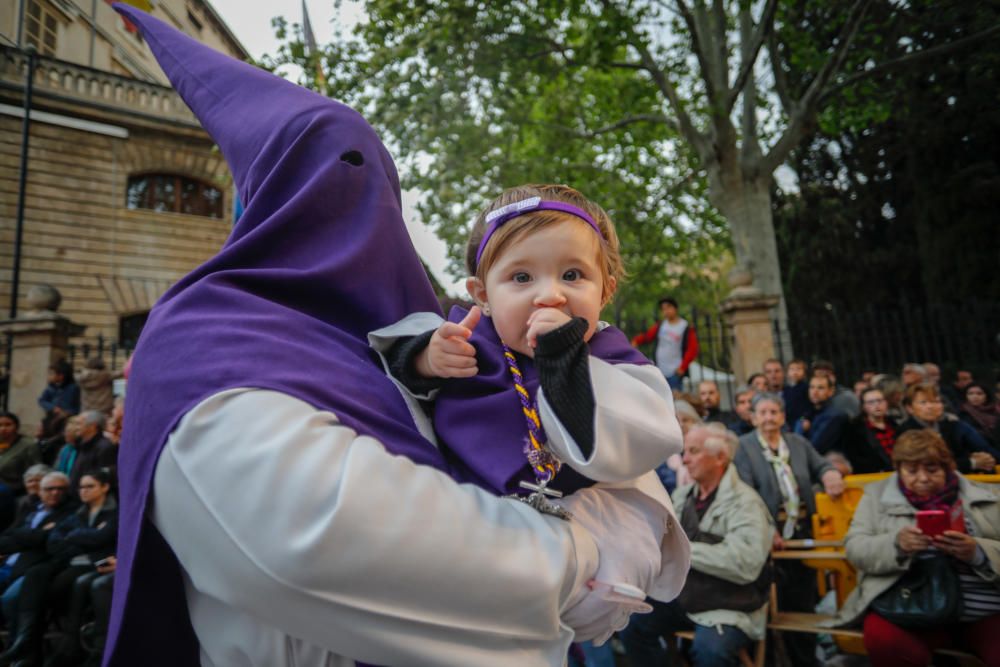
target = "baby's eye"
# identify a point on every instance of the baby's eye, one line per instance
(521, 277)
(572, 274)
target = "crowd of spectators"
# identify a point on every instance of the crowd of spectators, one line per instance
(59, 520)
(795, 431)
(744, 487)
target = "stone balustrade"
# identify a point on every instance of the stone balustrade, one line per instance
(73, 82)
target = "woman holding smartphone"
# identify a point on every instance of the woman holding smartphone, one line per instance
(926, 509)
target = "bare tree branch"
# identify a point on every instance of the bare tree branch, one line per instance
(624, 122)
(910, 59)
(631, 120)
(685, 125)
(721, 47)
(698, 30)
(750, 154)
(806, 106)
(749, 56)
(780, 76)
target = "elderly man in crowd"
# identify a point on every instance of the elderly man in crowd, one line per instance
(725, 598)
(708, 392)
(94, 451)
(913, 373)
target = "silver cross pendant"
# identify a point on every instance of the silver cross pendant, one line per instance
(539, 501)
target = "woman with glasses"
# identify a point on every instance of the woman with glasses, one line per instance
(926, 410)
(870, 437)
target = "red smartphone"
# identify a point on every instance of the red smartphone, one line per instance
(932, 522)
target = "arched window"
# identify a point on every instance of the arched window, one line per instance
(173, 194)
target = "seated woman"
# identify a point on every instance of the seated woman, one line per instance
(926, 410)
(17, 454)
(783, 467)
(884, 542)
(980, 411)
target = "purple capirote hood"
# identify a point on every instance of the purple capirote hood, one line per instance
(320, 257)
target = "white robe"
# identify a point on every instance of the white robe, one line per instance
(303, 543)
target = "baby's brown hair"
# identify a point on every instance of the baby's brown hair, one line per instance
(612, 267)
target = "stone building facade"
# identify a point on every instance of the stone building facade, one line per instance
(125, 192)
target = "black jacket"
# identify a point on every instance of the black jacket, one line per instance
(98, 452)
(863, 449)
(961, 439)
(76, 534)
(31, 542)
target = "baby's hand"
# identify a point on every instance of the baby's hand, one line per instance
(543, 321)
(449, 354)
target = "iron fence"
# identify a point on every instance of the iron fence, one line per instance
(114, 355)
(965, 334)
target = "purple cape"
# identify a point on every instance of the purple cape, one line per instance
(320, 257)
(479, 422)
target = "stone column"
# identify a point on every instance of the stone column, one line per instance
(40, 337)
(747, 312)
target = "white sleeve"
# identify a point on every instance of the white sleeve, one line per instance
(382, 340)
(635, 429)
(278, 510)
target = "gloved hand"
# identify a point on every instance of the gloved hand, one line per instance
(627, 526)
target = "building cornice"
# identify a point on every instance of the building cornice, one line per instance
(70, 87)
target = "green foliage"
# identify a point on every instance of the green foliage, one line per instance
(903, 183)
(476, 97)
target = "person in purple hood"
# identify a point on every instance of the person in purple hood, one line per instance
(281, 503)
(530, 377)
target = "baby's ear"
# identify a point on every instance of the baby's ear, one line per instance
(477, 290)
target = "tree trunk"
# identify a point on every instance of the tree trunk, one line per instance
(746, 205)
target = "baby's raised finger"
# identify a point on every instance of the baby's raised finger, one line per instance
(451, 329)
(458, 346)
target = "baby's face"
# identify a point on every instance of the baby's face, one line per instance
(557, 266)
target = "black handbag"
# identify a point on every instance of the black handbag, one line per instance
(927, 595)
(706, 592)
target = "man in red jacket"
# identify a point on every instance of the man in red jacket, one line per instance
(676, 344)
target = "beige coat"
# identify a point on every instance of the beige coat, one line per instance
(738, 514)
(871, 539)
(96, 390)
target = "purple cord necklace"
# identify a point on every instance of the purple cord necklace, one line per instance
(543, 463)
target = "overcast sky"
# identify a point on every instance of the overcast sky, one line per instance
(251, 23)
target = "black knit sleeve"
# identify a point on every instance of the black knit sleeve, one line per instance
(562, 359)
(402, 357)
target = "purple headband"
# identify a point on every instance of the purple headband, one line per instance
(495, 219)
